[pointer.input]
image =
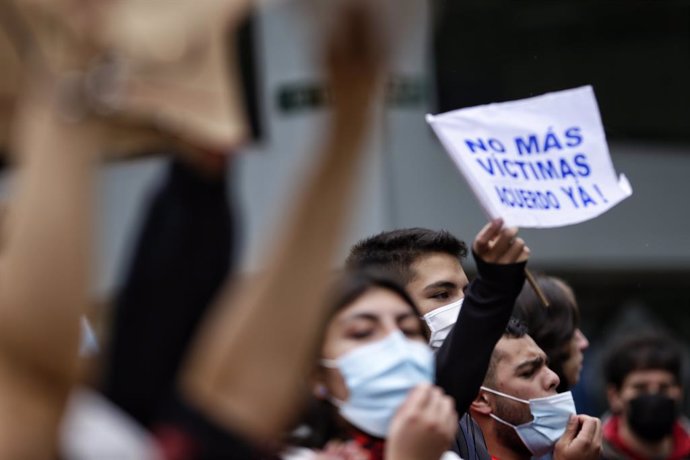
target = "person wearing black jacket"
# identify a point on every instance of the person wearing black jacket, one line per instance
(181, 260)
(427, 262)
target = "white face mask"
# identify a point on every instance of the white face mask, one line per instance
(441, 322)
(379, 377)
(550, 418)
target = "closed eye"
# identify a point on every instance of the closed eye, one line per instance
(360, 334)
(412, 333)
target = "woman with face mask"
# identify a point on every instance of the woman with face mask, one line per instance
(372, 382)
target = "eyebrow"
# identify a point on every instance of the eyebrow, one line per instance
(531, 364)
(365, 316)
(374, 317)
(441, 284)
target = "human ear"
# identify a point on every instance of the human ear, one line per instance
(317, 382)
(482, 404)
(320, 391)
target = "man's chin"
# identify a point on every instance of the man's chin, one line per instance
(509, 438)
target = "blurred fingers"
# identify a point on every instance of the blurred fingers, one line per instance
(485, 235)
(503, 242)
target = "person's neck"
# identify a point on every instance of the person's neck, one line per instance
(647, 449)
(502, 452)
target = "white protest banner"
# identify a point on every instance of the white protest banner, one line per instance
(537, 162)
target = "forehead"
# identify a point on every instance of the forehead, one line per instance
(649, 377)
(434, 267)
(375, 302)
(514, 351)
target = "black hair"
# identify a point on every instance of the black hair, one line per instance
(319, 422)
(646, 351)
(515, 329)
(393, 252)
(552, 327)
(353, 284)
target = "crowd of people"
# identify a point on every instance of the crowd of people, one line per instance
(396, 355)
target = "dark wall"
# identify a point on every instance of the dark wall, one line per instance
(635, 53)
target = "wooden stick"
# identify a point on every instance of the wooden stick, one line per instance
(532, 282)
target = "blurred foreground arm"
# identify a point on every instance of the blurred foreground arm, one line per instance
(44, 271)
(251, 360)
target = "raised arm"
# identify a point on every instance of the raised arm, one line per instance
(463, 360)
(250, 363)
(44, 271)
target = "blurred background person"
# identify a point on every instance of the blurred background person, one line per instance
(556, 327)
(644, 388)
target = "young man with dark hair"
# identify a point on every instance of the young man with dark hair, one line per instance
(645, 391)
(428, 263)
(396, 251)
(519, 411)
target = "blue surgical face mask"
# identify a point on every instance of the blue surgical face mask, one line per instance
(379, 377)
(441, 322)
(550, 418)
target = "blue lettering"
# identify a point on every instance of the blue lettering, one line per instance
(502, 196)
(500, 168)
(551, 142)
(565, 169)
(497, 146)
(526, 147)
(530, 199)
(472, 145)
(596, 187)
(580, 161)
(488, 167)
(507, 163)
(570, 193)
(553, 201)
(574, 136)
(547, 170)
(522, 165)
(586, 199)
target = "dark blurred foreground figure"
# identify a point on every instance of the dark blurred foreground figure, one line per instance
(65, 102)
(180, 263)
(645, 392)
(241, 379)
(555, 328)
(238, 385)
